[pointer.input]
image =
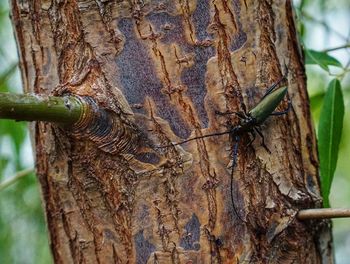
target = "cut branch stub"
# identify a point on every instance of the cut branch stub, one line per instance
(80, 116)
(105, 128)
(27, 107)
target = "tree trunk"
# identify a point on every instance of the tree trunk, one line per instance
(164, 69)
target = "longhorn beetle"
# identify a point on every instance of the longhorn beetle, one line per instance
(250, 123)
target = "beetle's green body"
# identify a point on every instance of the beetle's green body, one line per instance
(255, 117)
(267, 105)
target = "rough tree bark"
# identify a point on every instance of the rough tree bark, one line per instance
(163, 69)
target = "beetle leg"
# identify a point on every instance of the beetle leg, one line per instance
(251, 139)
(279, 113)
(263, 139)
(217, 112)
(282, 112)
(241, 115)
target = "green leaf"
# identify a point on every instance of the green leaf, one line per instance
(320, 58)
(4, 160)
(6, 75)
(329, 134)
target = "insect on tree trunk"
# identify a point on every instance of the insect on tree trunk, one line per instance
(163, 70)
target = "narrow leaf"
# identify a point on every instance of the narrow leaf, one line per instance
(329, 134)
(7, 74)
(320, 58)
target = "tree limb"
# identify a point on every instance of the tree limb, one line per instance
(27, 107)
(323, 213)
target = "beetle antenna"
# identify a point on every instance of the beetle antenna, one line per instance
(234, 161)
(195, 138)
(277, 84)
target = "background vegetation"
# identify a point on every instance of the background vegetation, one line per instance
(323, 26)
(23, 235)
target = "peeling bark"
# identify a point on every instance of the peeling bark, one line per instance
(164, 68)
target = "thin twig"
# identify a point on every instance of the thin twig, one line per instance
(345, 46)
(15, 178)
(320, 213)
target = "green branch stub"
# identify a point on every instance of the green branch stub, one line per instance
(64, 111)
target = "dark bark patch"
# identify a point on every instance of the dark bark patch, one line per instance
(143, 247)
(138, 78)
(190, 239)
(192, 77)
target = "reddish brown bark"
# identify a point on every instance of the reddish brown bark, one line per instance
(164, 69)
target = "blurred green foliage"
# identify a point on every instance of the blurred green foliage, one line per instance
(23, 234)
(323, 26)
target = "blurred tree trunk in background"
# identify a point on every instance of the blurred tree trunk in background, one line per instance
(164, 68)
